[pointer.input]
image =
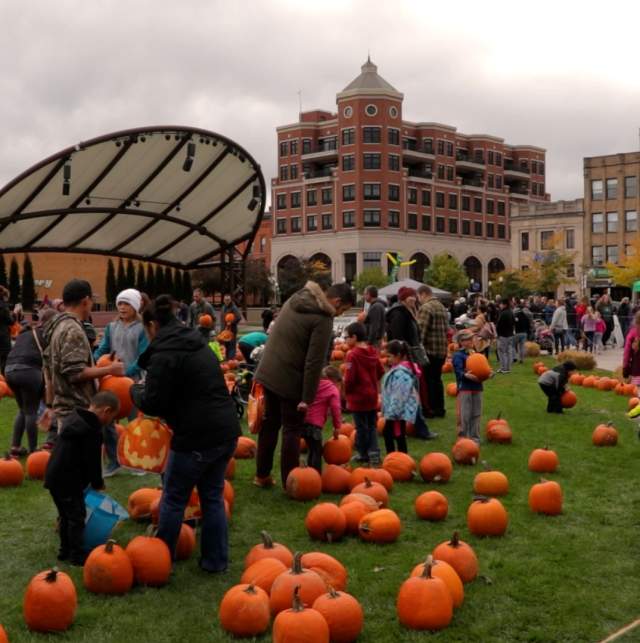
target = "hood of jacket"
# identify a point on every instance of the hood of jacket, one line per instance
(79, 424)
(365, 354)
(312, 300)
(174, 337)
(399, 309)
(325, 388)
(54, 322)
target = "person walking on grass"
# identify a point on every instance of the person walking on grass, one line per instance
(553, 383)
(290, 370)
(361, 382)
(522, 328)
(229, 310)
(559, 325)
(505, 328)
(185, 386)
(198, 307)
(374, 321)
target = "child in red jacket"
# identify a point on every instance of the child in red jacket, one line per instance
(362, 374)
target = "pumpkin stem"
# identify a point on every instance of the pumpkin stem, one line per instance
(7, 456)
(298, 605)
(455, 539)
(367, 482)
(267, 541)
(332, 592)
(52, 575)
(251, 589)
(428, 565)
(109, 546)
(329, 536)
(151, 531)
(296, 567)
(480, 499)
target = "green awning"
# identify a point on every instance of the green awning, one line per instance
(636, 286)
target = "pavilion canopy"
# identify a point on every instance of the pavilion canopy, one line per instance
(177, 196)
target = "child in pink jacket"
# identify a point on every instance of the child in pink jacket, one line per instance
(327, 400)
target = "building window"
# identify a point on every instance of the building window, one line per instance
(439, 199)
(393, 136)
(597, 255)
(546, 240)
(394, 219)
(441, 147)
(427, 145)
(597, 222)
(295, 199)
(263, 244)
(312, 223)
(348, 136)
(284, 148)
(534, 188)
(412, 221)
(327, 196)
(394, 193)
(453, 226)
(281, 226)
(490, 157)
(371, 110)
(501, 208)
(449, 148)
(477, 228)
(490, 230)
(281, 201)
(350, 266)
(453, 201)
(612, 188)
(502, 231)
(348, 219)
(489, 204)
(466, 226)
(449, 172)
(371, 162)
(439, 224)
(348, 192)
(284, 173)
(477, 205)
(426, 197)
(348, 163)
(371, 218)
(478, 156)
(294, 172)
(370, 134)
(570, 239)
(524, 241)
(596, 190)
(426, 223)
(394, 162)
(490, 178)
(534, 167)
(296, 226)
(498, 183)
(441, 172)
(327, 221)
(311, 197)
(631, 221)
(466, 203)
(348, 111)
(294, 147)
(612, 222)
(571, 270)
(612, 254)
(630, 187)
(629, 251)
(306, 146)
(412, 196)
(371, 191)
(371, 259)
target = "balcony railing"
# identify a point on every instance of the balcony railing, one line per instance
(510, 166)
(319, 173)
(475, 183)
(322, 148)
(465, 157)
(420, 174)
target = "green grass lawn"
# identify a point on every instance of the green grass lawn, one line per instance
(570, 578)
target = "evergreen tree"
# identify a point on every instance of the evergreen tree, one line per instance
(187, 289)
(28, 285)
(168, 282)
(141, 282)
(151, 281)
(14, 282)
(131, 274)
(111, 287)
(121, 279)
(3, 272)
(160, 287)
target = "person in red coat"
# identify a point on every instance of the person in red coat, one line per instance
(362, 375)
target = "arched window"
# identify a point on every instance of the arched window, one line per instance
(417, 269)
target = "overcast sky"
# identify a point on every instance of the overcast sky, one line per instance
(562, 75)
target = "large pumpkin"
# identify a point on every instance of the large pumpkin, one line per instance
(460, 556)
(11, 472)
(381, 526)
(263, 573)
(268, 549)
(144, 444)
(442, 570)
(605, 435)
(245, 611)
(436, 467)
(373, 489)
(331, 570)
(151, 560)
(478, 365)
(299, 624)
(431, 505)
(303, 483)
(326, 522)
(50, 602)
(465, 451)
(543, 461)
(500, 433)
(120, 387)
(354, 512)
(569, 399)
(546, 497)
(335, 479)
(401, 466)
(366, 500)
(311, 586)
(487, 517)
(382, 476)
(108, 570)
(37, 464)
(337, 450)
(343, 614)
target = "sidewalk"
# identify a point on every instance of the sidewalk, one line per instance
(610, 359)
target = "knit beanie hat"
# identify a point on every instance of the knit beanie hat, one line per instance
(405, 293)
(130, 296)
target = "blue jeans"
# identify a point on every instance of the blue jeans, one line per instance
(519, 348)
(110, 438)
(367, 435)
(204, 470)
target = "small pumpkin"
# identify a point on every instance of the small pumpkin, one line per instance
(335, 479)
(140, 501)
(299, 624)
(346, 428)
(569, 399)
(229, 494)
(374, 474)
(151, 560)
(353, 513)
(230, 472)
(381, 526)
(452, 389)
(460, 556)
(325, 522)
(343, 614)
(303, 483)
(245, 611)
(632, 403)
(447, 367)
(108, 570)
(268, 549)
(119, 386)
(546, 497)
(589, 381)
(465, 451)
(50, 602)
(576, 379)
(543, 461)
(310, 583)
(186, 542)
(330, 569)
(490, 483)
(424, 602)
(604, 435)
(436, 467)
(3, 635)
(478, 365)
(499, 431)
(401, 466)
(263, 573)
(373, 489)
(431, 505)
(37, 464)
(11, 472)
(337, 450)
(444, 571)
(368, 501)
(487, 517)
(245, 449)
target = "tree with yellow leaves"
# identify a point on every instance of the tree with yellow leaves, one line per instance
(627, 270)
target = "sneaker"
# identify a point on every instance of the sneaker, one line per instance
(359, 459)
(47, 446)
(111, 470)
(264, 483)
(431, 436)
(18, 452)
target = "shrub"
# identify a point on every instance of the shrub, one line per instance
(584, 361)
(532, 349)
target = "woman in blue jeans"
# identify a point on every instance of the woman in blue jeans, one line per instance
(185, 386)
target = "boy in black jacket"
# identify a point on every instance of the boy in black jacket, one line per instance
(76, 463)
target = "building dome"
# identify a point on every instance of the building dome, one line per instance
(369, 82)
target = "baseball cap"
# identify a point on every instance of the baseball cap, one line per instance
(76, 290)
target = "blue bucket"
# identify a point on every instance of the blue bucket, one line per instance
(103, 514)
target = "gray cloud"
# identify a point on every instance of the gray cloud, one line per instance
(73, 69)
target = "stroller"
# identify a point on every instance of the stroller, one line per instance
(543, 336)
(241, 387)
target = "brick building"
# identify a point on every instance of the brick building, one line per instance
(360, 182)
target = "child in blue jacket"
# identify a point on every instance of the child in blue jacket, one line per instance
(469, 400)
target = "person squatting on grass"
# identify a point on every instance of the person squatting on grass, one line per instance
(76, 463)
(469, 399)
(362, 374)
(553, 383)
(400, 396)
(327, 400)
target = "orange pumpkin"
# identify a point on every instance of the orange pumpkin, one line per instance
(37, 464)
(230, 473)
(106, 360)
(186, 542)
(452, 389)
(460, 556)
(367, 501)
(343, 614)
(436, 467)
(335, 479)
(50, 602)
(487, 517)
(447, 367)
(331, 570)
(499, 433)
(310, 583)
(536, 366)
(337, 356)
(543, 461)
(589, 381)
(353, 513)
(108, 570)
(303, 483)
(140, 501)
(380, 424)
(478, 365)
(431, 505)
(151, 560)
(605, 435)
(491, 483)
(245, 449)
(576, 379)
(401, 466)
(347, 429)
(244, 611)
(298, 624)
(633, 402)
(568, 400)
(373, 489)
(120, 387)
(326, 522)
(381, 526)
(465, 451)
(263, 573)
(381, 476)
(206, 321)
(446, 573)
(3, 635)
(630, 390)
(337, 450)
(546, 497)
(268, 549)
(11, 472)
(145, 444)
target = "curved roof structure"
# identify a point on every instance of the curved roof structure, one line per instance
(369, 82)
(176, 196)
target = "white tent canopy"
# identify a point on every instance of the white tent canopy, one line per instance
(392, 289)
(176, 196)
